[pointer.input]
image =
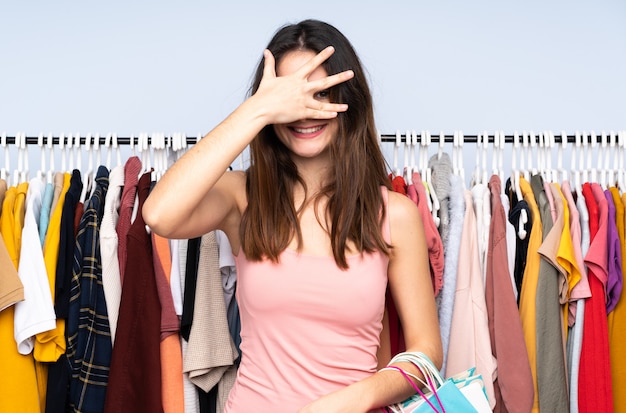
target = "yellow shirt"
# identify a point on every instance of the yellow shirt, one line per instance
(528, 294)
(18, 381)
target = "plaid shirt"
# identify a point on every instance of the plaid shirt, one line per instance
(88, 335)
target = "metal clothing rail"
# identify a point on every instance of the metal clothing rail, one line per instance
(530, 137)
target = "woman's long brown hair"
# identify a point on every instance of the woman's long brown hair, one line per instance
(358, 167)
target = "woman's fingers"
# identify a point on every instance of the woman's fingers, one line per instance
(269, 66)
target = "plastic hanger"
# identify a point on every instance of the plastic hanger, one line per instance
(592, 149)
(71, 153)
(116, 148)
(17, 173)
(613, 149)
(523, 217)
(563, 176)
(78, 153)
(408, 170)
(460, 142)
(423, 166)
(533, 150)
(485, 144)
(431, 189)
(396, 150)
(41, 174)
(621, 176)
(97, 153)
(541, 157)
(603, 160)
(88, 175)
(50, 146)
(63, 154)
(585, 158)
(442, 141)
(133, 152)
(500, 160)
(108, 146)
(527, 151)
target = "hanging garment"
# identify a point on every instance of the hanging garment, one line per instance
(51, 344)
(617, 318)
(18, 381)
(35, 314)
(44, 214)
(135, 375)
(11, 288)
(132, 169)
(470, 344)
(614, 276)
(111, 278)
(511, 240)
(441, 167)
(521, 244)
(433, 239)
(210, 329)
(551, 380)
(57, 394)
(191, 392)
(513, 385)
(528, 294)
(171, 356)
(595, 392)
(451, 244)
(88, 333)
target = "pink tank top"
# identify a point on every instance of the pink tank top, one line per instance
(307, 327)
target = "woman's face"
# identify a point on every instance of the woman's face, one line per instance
(306, 138)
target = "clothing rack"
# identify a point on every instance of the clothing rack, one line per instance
(531, 137)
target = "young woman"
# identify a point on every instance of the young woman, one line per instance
(317, 235)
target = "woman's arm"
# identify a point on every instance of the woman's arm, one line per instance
(412, 291)
(196, 196)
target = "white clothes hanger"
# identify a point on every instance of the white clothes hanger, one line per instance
(88, 175)
(578, 171)
(442, 141)
(523, 217)
(116, 148)
(50, 171)
(484, 179)
(585, 161)
(533, 149)
(435, 207)
(108, 146)
(396, 149)
(78, 153)
(526, 150)
(41, 173)
(63, 153)
(613, 149)
(563, 176)
(71, 153)
(423, 166)
(408, 167)
(603, 160)
(593, 170)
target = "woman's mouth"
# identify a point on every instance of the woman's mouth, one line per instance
(308, 132)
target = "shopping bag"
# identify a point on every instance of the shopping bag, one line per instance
(463, 392)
